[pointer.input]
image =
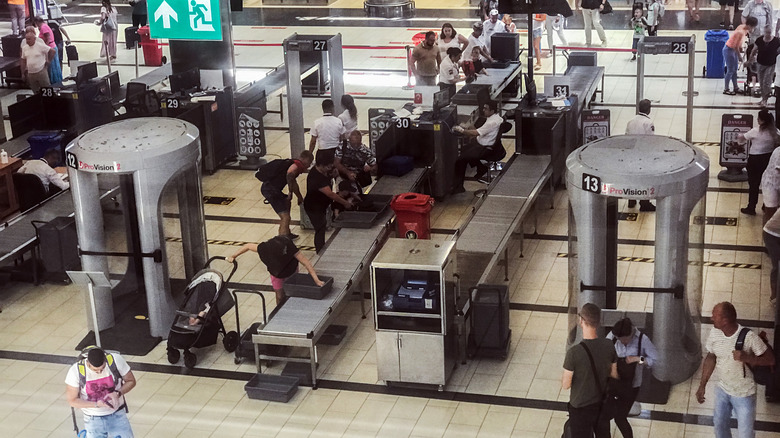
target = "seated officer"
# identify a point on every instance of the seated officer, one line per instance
(480, 145)
(43, 168)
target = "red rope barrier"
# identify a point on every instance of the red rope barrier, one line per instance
(594, 49)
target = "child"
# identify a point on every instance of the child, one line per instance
(639, 24)
(751, 67)
(473, 67)
(349, 191)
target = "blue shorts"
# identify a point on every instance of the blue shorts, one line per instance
(537, 33)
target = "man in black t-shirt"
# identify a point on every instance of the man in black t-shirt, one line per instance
(286, 176)
(281, 257)
(587, 391)
(319, 196)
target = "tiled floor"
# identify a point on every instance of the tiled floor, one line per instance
(519, 397)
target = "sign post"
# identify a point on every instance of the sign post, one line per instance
(91, 279)
(185, 19)
(733, 154)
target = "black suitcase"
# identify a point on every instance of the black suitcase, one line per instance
(131, 37)
(73, 52)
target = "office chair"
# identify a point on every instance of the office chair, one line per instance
(140, 101)
(29, 190)
(492, 160)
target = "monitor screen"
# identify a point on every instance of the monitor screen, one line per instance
(441, 99)
(185, 81)
(114, 84)
(86, 72)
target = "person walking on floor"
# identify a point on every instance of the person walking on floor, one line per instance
(109, 28)
(555, 23)
(140, 14)
(16, 8)
(634, 352)
(592, 19)
(732, 54)
(770, 187)
(653, 17)
(763, 139)
(762, 10)
(768, 47)
(97, 384)
(736, 389)
(326, 133)
(586, 368)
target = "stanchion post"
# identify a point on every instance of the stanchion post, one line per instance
(136, 59)
(553, 57)
(408, 85)
(689, 100)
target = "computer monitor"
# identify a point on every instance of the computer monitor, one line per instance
(86, 72)
(440, 100)
(186, 81)
(114, 85)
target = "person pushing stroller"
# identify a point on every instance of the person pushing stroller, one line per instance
(281, 257)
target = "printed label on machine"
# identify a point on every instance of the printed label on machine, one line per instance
(595, 125)
(732, 152)
(622, 191)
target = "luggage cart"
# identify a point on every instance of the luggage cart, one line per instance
(245, 347)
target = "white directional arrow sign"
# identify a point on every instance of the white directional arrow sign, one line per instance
(167, 13)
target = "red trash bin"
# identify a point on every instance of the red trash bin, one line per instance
(152, 48)
(412, 215)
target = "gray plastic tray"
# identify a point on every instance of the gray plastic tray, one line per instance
(301, 285)
(271, 387)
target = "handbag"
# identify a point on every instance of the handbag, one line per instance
(607, 8)
(109, 24)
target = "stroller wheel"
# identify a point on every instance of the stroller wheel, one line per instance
(190, 359)
(173, 355)
(230, 341)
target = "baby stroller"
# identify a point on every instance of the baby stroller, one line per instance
(199, 319)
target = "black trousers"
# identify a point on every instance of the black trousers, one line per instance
(320, 223)
(471, 152)
(586, 421)
(756, 164)
(139, 20)
(622, 408)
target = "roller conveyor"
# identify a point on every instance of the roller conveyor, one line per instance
(300, 322)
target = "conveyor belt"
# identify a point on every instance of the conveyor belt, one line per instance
(484, 237)
(300, 321)
(584, 83)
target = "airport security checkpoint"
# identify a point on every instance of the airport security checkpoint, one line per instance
(465, 223)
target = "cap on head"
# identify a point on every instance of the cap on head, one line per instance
(493, 12)
(477, 26)
(96, 357)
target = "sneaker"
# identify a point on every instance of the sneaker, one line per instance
(633, 58)
(749, 211)
(731, 27)
(636, 410)
(484, 179)
(604, 43)
(293, 236)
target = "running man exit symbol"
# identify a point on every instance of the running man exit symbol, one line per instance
(200, 16)
(185, 19)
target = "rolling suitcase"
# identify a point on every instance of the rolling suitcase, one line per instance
(131, 37)
(73, 53)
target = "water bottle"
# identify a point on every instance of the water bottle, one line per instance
(3, 156)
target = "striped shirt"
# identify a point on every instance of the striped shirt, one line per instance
(733, 380)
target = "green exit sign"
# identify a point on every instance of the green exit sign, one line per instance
(185, 19)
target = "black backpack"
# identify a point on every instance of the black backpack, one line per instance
(761, 374)
(273, 169)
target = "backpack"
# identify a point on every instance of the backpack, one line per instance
(273, 169)
(761, 374)
(81, 365)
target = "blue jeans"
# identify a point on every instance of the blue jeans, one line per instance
(744, 407)
(115, 425)
(731, 58)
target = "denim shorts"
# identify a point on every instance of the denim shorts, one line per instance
(538, 33)
(113, 425)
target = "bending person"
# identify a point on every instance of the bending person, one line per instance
(281, 257)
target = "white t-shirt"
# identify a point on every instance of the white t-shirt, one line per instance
(730, 371)
(328, 130)
(489, 131)
(473, 42)
(641, 124)
(761, 142)
(448, 71)
(36, 55)
(770, 181)
(444, 46)
(349, 123)
(98, 385)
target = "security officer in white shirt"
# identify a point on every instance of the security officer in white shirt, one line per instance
(641, 124)
(42, 168)
(480, 145)
(326, 133)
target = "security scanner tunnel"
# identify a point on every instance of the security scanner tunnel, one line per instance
(153, 158)
(674, 174)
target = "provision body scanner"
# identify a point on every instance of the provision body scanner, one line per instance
(674, 174)
(149, 155)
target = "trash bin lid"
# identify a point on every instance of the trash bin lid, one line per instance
(716, 35)
(411, 200)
